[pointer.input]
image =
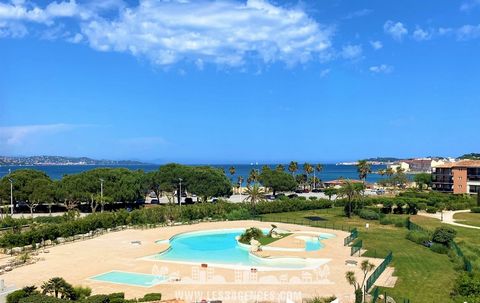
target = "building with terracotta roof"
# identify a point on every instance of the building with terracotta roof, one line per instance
(462, 177)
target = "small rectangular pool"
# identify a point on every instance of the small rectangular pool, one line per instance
(129, 278)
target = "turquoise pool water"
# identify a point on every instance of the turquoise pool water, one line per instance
(221, 247)
(128, 278)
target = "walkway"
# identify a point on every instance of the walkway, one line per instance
(448, 217)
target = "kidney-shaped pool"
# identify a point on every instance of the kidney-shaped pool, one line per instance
(220, 247)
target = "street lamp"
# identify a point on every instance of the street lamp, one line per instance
(101, 193)
(11, 195)
(180, 192)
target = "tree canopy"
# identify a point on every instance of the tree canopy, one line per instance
(277, 180)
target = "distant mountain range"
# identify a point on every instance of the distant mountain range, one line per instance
(59, 160)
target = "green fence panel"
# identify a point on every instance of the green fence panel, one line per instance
(375, 294)
(379, 270)
(356, 247)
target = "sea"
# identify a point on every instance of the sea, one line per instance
(329, 172)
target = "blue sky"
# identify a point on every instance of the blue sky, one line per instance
(239, 81)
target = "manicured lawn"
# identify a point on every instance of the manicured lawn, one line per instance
(467, 238)
(265, 240)
(467, 218)
(424, 276)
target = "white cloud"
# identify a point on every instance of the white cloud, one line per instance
(376, 44)
(16, 135)
(383, 68)
(351, 52)
(77, 38)
(469, 5)
(325, 72)
(224, 33)
(360, 13)
(468, 32)
(395, 29)
(421, 35)
(200, 32)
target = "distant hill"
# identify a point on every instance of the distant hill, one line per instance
(59, 160)
(471, 156)
(383, 159)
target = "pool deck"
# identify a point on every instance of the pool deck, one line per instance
(78, 261)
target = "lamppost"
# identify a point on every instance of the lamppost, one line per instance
(11, 195)
(101, 194)
(180, 192)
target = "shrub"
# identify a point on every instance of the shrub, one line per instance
(421, 206)
(368, 214)
(238, 214)
(418, 237)
(320, 300)
(15, 296)
(116, 295)
(97, 299)
(42, 299)
(151, 297)
(467, 288)
(431, 210)
(444, 235)
(80, 292)
(250, 234)
(439, 248)
(475, 210)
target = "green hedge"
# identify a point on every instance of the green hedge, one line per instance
(155, 215)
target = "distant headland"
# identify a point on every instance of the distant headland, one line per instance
(60, 160)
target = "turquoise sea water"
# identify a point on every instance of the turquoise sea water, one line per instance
(329, 172)
(221, 247)
(128, 278)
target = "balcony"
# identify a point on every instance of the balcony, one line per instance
(473, 177)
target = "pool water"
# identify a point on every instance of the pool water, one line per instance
(221, 247)
(128, 278)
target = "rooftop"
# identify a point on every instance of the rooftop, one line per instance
(461, 164)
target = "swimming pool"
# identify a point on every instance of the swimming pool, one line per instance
(130, 278)
(220, 247)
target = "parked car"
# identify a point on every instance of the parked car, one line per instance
(292, 196)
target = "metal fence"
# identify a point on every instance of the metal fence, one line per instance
(307, 222)
(356, 247)
(353, 235)
(467, 265)
(413, 226)
(378, 271)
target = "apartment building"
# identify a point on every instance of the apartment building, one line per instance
(462, 177)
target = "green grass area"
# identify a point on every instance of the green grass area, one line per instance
(467, 238)
(423, 276)
(265, 240)
(468, 218)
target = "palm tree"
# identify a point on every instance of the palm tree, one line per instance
(389, 172)
(308, 169)
(232, 170)
(293, 167)
(254, 194)
(280, 167)
(352, 280)
(350, 191)
(363, 169)
(366, 267)
(253, 176)
(318, 169)
(58, 286)
(239, 183)
(382, 172)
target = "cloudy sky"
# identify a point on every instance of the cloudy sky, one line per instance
(239, 81)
